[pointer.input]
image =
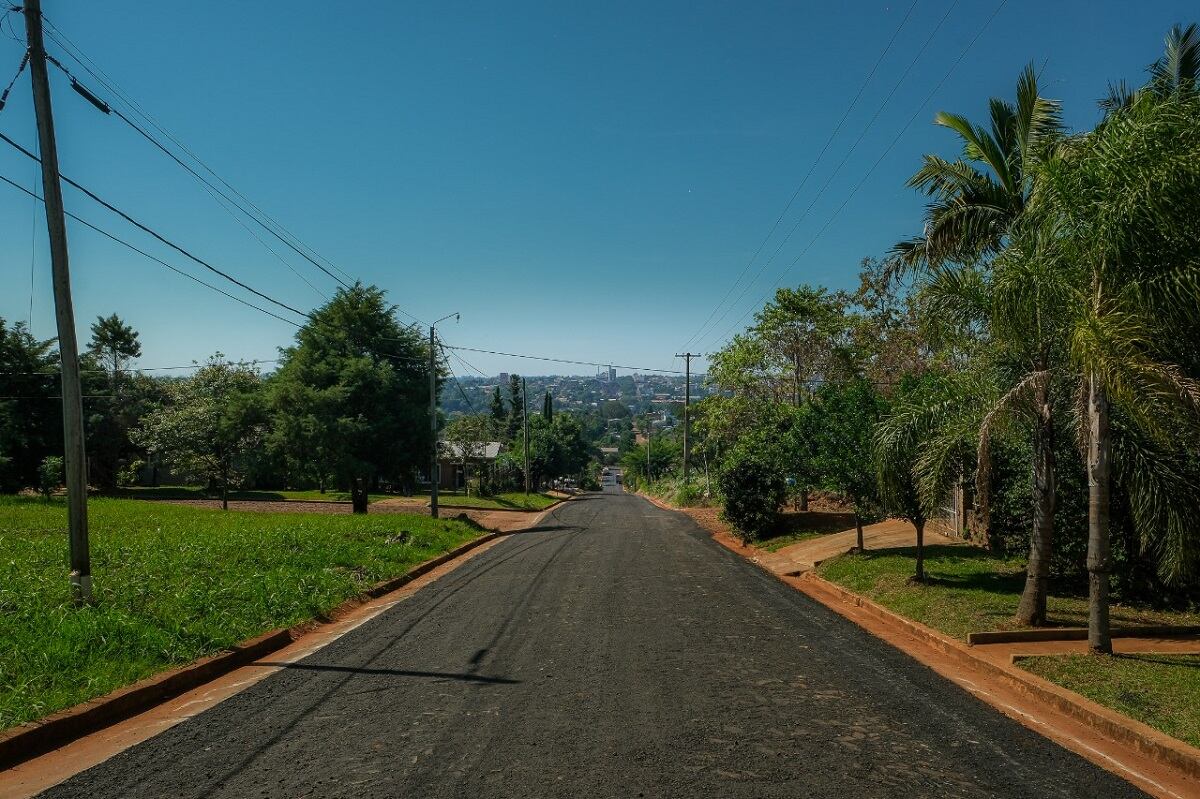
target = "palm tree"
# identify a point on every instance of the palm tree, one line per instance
(1177, 71)
(977, 198)
(1117, 206)
(978, 203)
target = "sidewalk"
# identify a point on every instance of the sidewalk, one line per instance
(806, 555)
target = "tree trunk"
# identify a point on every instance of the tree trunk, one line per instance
(1032, 609)
(224, 493)
(804, 500)
(1099, 478)
(858, 527)
(920, 575)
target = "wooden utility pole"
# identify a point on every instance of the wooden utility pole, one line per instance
(433, 444)
(525, 425)
(687, 402)
(75, 455)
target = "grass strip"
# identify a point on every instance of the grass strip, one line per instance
(1162, 691)
(969, 590)
(176, 583)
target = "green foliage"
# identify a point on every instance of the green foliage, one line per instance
(557, 448)
(350, 399)
(50, 474)
(174, 584)
(754, 490)
(30, 419)
(516, 407)
(212, 425)
(499, 415)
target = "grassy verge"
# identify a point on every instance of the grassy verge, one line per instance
(175, 583)
(513, 500)
(196, 492)
(1160, 690)
(969, 590)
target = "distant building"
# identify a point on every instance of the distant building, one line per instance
(450, 463)
(612, 375)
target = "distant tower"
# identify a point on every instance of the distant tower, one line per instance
(612, 374)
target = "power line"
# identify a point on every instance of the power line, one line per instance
(270, 224)
(878, 161)
(154, 258)
(837, 128)
(138, 369)
(458, 385)
(155, 234)
(565, 360)
(845, 158)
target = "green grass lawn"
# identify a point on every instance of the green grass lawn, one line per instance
(969, 590)
(174, 583)
(1160, 690)
(512, 500)
(197, 492)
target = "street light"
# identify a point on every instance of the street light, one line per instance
(433, 445)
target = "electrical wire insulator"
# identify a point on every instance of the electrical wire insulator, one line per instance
(86, 94)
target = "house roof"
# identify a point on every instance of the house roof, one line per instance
(487, 452)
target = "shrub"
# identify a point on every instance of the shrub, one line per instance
(50, 474)
(753, 490)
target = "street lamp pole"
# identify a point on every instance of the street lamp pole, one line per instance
(433, 443)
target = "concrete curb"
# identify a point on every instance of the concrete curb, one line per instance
(35, 738)
(1156, 745)
(1074, 634)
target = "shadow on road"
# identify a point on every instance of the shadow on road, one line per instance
(443, 675)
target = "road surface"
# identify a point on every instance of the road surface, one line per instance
(616, 651)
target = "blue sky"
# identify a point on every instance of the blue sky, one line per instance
(578, 180)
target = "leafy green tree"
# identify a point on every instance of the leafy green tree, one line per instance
(114, 344)
(754, 490)
(50, 474)
(108, 421)
(516, 407)
(350, 397)
(212, 425)
(849, 413)
(557, 448)
(499, 414)
(30, 417)
(548, 406)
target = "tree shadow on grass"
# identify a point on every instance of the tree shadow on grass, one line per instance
(1192, 662)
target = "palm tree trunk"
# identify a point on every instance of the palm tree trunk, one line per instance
(920, 525)
(1099, 478)
(1032, 608)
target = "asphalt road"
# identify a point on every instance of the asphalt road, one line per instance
(615, 652)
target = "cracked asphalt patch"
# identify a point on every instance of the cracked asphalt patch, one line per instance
(615, 651)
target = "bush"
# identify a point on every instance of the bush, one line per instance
(50, 474)
(753, 490)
